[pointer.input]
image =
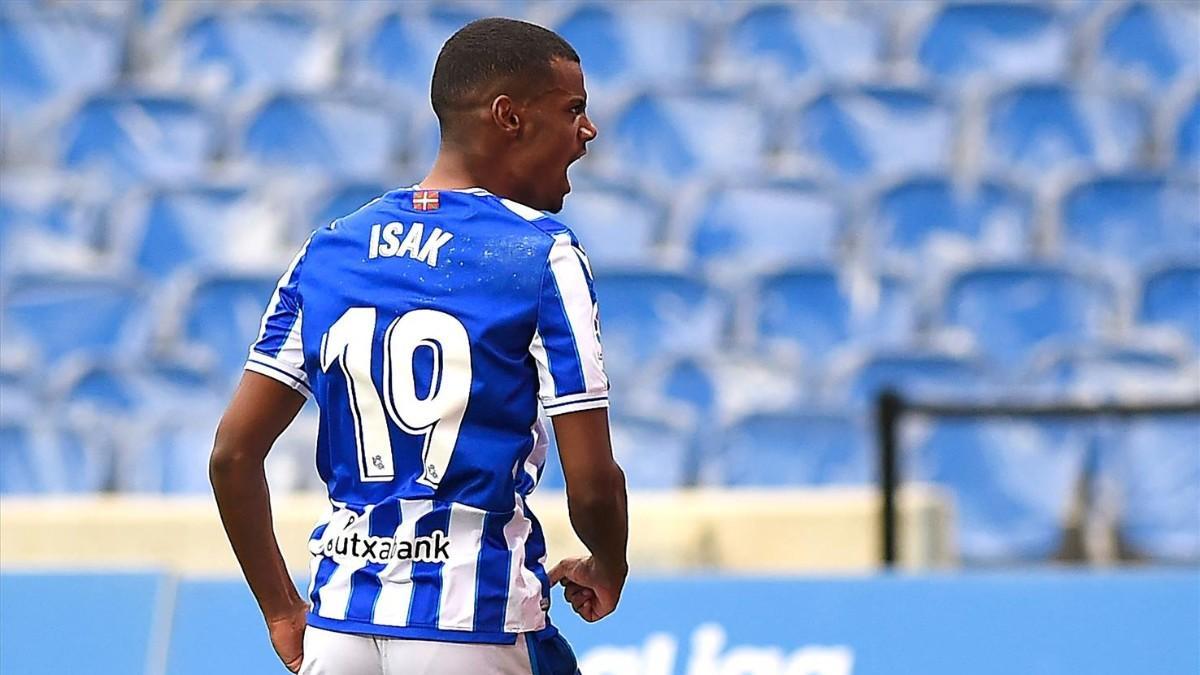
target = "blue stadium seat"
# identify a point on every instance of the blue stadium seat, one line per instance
(170, 455)
(655, 454)
(256, 49)
(330, 134)
(1156, 41)
(1170, 297)
(644, 314)
(995, 40)
(723, 386)
(819, 312)
(623, 45)
(139, 138)
(399, 50)
(47, 225)
(18, 459)
(875, 130)
(915, 375)
(33, 456)
(750, 227)
(1040, 128)
(222, 318)
(678, 136)
(1154, 465)
(1012, 480)
(63, 315)
(1010, 309)
(197, 228)
(53, 58)
(1187, 136)
(934, 215)
(1111, 371)
(340, 200)
(779, 42)
(617, 226)
(792, 450)
(1131, 220)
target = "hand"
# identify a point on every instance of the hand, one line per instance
(592, 590)
(287, 636)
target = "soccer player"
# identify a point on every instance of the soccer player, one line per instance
(429, 325)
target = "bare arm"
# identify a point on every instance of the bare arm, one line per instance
(596, 501)
(260, 410)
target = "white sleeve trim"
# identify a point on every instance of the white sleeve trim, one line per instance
(280, 371)
(575, 402)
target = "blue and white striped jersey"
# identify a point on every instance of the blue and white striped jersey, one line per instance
(429, 326)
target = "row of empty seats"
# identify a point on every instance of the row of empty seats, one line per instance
(1128, 223)
(841, 134)
(309, 46)
(1004, 312)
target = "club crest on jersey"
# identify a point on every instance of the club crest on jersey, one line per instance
(426, 200)
(391, 241)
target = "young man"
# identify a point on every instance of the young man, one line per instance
(428, 325)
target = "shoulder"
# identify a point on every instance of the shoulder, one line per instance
(550, 229)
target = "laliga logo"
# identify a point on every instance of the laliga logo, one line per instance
(708, 656)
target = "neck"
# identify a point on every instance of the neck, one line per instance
(456, 169)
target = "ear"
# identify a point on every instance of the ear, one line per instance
(504, 115)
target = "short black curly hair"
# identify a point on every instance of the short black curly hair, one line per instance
(492, 51)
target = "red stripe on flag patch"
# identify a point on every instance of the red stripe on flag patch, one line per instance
(426, 200)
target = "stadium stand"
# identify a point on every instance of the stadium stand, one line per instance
(791, 207)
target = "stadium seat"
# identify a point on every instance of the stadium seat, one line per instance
(1170, 297)
(18, 460)
(1187, 136)
(933, 216)
(622, 45)
(1102, 371)
(198, 228)
(63, 315)
(790, 449)
(338, 200)
(221, 319)
(130, 139)
(1039, 128)
(33, 456)
(1131, 220)
(617, 226)
(648, 313)
(875, 130)
(817, 312)
(1012, 480)
(779, 42)
(1153, 463)
(654, 454)
(47, 224)
(399, 49)
(49, 58)
(1010, 309)
(1154, 41)
(330, 134)
(235, 51)
(996, 41)
(915, 374)
(750, 227)
(724, 386)
(679, 136)
(170, 454)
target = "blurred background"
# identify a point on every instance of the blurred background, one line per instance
(791, 207)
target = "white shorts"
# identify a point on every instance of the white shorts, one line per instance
(332, 653)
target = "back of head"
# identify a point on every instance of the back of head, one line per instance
(491, 56)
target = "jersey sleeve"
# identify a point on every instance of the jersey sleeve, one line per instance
(278, 352)
(566, 344)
